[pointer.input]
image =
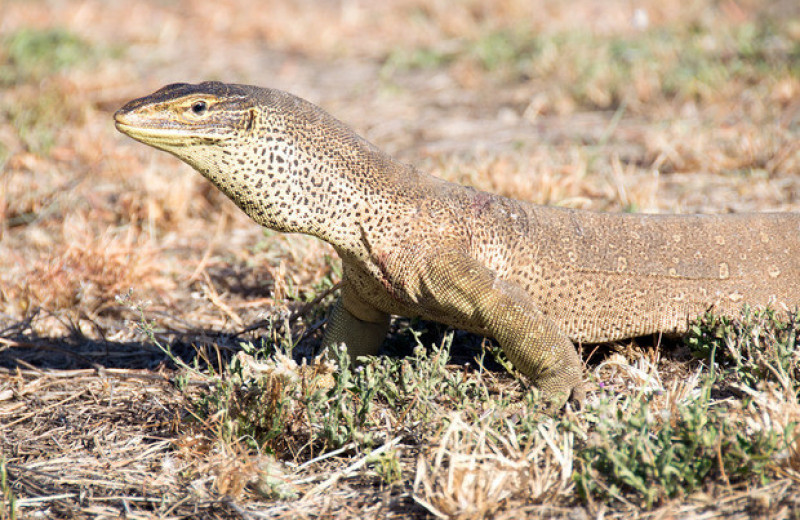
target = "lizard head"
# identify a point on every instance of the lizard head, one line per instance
(181, 117)
(288, 164)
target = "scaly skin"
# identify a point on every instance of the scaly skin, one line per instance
(535, 278)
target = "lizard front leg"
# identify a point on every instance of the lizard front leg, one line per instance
(461, 288)
(360, 326)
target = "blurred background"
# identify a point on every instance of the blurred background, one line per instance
(110, 249)
(627, 105)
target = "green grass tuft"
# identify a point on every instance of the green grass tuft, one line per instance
(638, 456)
(760, 346)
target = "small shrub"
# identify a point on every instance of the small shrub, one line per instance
(649, 458)
(759, 346)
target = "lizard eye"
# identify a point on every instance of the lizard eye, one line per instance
(199, 107)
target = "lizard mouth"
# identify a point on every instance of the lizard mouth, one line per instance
(158, 136)
(152, 136)
(127, 124)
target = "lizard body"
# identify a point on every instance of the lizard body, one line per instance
(533, 277)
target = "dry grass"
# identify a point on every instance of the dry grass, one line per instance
(106, 246)
(477, 471)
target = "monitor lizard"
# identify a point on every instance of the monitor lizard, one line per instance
(535, 278)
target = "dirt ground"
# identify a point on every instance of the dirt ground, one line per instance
(551, 102)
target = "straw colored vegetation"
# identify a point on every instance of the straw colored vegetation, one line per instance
(149, 332)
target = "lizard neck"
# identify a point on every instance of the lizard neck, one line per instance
(303, 171)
